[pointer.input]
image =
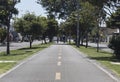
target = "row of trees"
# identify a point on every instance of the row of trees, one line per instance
(91, 12)
(63, 8)
(87, 22)
(34, 27)
(29, 25)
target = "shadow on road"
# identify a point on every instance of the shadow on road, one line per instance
(32, 48)
(106, 58)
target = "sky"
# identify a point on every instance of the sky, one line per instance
(30, 6)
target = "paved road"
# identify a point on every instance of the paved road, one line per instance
(58, 63)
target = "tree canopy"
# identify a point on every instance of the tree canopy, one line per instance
(114, 20)
(63, 8)
(37, 26)
(7, 9)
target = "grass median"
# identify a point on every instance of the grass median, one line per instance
(9, 61)
(105, 58)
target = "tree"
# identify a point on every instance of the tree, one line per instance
(43, 22)
(86, 22)
(63, 8)
(52, 28)
(114, 20)
(29, 25)
(7, 9)
(87, 18)
(115, 45)
(69, 26)
(19, 26)
(59, 8)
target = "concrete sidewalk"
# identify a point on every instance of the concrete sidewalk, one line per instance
(102, 46)
(18, 45)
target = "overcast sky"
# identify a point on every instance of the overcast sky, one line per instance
(30, 6)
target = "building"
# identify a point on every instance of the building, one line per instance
(108, 33)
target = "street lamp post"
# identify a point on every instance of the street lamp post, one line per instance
(8, 18)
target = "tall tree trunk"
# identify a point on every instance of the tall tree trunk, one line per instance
(45, 41)
(44, 38)
(8, 36)
(86, 40)
(50, 39)
(31, 41)
(30, 44)
(98, 39)
(80, 35)
(82, 39)
(69, 39)
(22, 38)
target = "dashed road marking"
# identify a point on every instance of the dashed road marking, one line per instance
(60, 54)
(59, 57)
(60, 50)
(58, 76)
(59, 63)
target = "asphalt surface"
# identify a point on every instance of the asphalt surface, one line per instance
(58, 63)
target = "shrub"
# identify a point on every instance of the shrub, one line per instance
(115, 45)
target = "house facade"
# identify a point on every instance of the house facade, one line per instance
(108, 33)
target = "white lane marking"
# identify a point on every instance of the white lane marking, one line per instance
(58, 76)
(59, 63)
(12, 69)
(60, 50)
(101, 68)
(105, 71)
(20, 64)
(59, 57)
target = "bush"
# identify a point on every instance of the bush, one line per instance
(115, 45)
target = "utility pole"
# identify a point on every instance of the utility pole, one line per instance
(78, 24)
(98, 38)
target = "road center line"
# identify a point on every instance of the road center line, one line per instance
(59, 57)
(59, 63)
(59, 54)
(60, 50)
(58, 76)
